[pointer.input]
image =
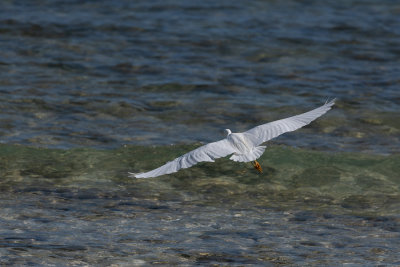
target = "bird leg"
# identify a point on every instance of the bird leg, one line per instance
(257, 166)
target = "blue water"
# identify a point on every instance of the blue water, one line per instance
(90, 90)
(105, 74)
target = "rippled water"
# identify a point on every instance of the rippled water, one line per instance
(90, 91)
(104, 74)
(77, 207)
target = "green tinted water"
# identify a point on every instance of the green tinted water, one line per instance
(78, 207)
(347, 181)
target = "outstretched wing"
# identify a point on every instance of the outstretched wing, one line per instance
(265, 132)
(207, 152)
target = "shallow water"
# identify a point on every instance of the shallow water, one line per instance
(78, 207)
(90, 91)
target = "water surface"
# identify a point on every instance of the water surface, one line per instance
(78, 207)
(105, 74)
(91, 90)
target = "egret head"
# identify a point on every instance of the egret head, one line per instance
(227, 132)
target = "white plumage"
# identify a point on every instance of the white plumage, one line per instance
(245, 146)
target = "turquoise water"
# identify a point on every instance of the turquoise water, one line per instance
(344, 182)
(92, 90)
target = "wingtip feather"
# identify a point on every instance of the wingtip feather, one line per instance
(330, 102)
(135, 175)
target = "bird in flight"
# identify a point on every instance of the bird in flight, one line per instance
(244, 147)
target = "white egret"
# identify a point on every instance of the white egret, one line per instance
(244, 147)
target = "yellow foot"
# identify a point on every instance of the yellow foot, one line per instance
(257, 166)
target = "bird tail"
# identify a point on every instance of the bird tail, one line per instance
(250, 156)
